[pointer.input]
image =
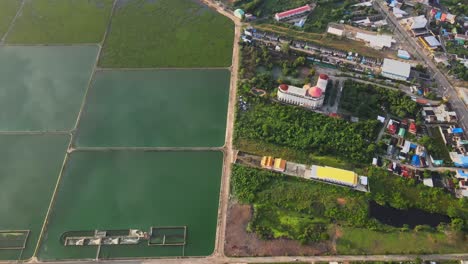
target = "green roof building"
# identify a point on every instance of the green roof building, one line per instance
(239, 13)
(402, 132)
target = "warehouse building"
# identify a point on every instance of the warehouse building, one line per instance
(334, 175)
(396, 70)
(335, 31)
(293, 13)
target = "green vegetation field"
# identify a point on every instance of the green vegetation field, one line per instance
(379, 101)
(136, 189)
(29, 168)
(436, 145)
(292, 208)
(313, 212)
(324, 13)
(163, 108)
(299, 129)
(8, 9)
(61, 21)
(356, 241)
(43, 87)
(167, 33)
(401, 193)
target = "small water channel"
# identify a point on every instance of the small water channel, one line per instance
(411, 217)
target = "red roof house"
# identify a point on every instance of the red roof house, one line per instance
(413, 128)
(292, 12)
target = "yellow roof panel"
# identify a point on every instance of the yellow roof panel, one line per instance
(336, 174)
(280, 164)
(267, 161)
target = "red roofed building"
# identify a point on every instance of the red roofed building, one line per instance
(412, 128)
(307, 96)
(335, 115)
(314, 92)
(392, 129)
(293, 12)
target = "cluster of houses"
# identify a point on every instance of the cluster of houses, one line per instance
(402, 170)
(454, 137)
(329, 56)
(453, 29)
(462, 177)
(399, 147)
(439, 114)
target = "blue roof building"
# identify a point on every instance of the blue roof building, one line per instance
(462, 174)
(459, 160)
(416, 161)
(457, 130)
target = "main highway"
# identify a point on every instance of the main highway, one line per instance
(445, 87)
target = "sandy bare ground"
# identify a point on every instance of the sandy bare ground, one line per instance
(240, 243)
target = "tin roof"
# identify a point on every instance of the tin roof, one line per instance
(334, 174)
(396, 67)
(294, 11)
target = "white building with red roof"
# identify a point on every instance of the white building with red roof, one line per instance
(292, 13)
(308, 96)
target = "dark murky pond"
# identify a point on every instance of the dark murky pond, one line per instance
(411, 217)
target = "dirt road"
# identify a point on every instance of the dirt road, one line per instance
(227, 149)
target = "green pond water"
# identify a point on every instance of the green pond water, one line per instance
(42, 88)
(162, 108)
(29, 168)
(133, 189)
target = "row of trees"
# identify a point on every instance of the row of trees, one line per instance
(300, 129)
(402, 193)
(459, 70)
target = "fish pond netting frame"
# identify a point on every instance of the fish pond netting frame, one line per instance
(13, 239)
(168, 236)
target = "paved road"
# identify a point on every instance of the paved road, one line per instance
(445, 87)
(311, 259)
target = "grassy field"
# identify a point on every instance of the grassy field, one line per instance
(365, 241)
(324, 40)
(8, 10)
(29, 166)
(324, 13)
(167, 33)
(41, 89)
(263, 148)
(289, 207)
(61, 21)
(439, 148)
(164, 108)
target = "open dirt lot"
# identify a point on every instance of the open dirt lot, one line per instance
(241, 243)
